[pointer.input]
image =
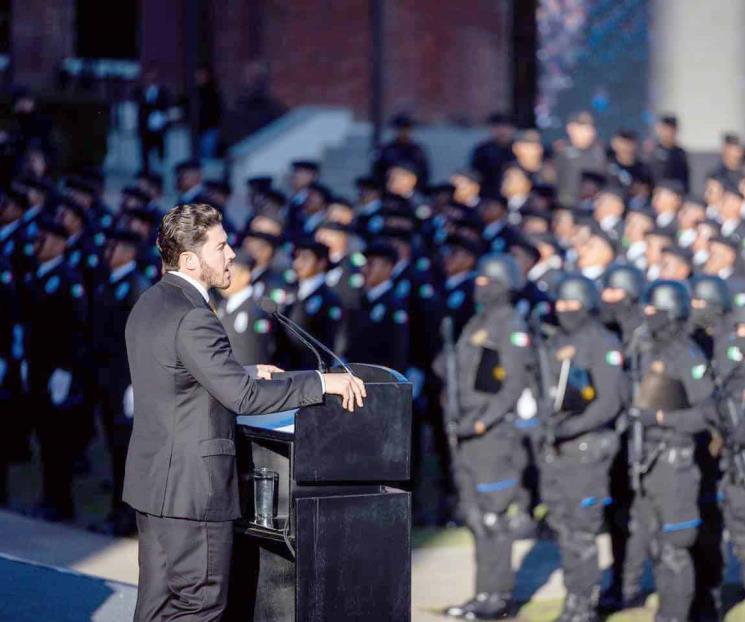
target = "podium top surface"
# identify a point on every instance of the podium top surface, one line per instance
(283, 421)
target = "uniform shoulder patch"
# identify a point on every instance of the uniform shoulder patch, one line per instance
(262, 326)
(358, 259)
(356, 280)
(6, 277)
(520, 339)
(377, 312)
(455, 299)
(426, 290)
(52, 285)
(313, 305)
(400, 317)
(614, 358)
(77, 290)
(240, 324)
(734, 354)
(335, 313)
(121, 290)
(698, 371)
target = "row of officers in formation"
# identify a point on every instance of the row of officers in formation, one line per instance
(543, 306)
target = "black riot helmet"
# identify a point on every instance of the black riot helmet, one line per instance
(669, 297)
(501, 268)
(580, 288)
(626, 277)
(497, 276)
(713, 290)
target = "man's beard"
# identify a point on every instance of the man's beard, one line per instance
(213, 278)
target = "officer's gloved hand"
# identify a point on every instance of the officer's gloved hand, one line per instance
(474, 520)
(128, 403)
(646, 416)
(59, 386)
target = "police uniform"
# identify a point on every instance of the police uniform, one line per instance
(493, 358)
(319, 312)
(11, 354)
(114, 299)
(378, 332)
(586, 367)
(397, 151)
(55, 312)
(252, 332)
(674, 379)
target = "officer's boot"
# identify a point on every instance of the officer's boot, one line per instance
(460, 611)
(578, 609)
(495, 607)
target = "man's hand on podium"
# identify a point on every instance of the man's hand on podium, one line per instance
(262, 372)
(350, 388)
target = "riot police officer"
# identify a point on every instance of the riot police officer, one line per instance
(731, 422)
(585, 365)
(623, 286)
(493, 361)
(672, 391)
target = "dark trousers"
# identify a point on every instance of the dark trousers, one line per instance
(184, 569)
(664, 522)
(574, 485)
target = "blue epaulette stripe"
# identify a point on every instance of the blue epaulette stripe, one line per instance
(496, 486)
(686, 524)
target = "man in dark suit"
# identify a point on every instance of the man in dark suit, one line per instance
(181, 472)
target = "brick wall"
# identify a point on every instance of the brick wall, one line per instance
(42, 33)
(442, 60)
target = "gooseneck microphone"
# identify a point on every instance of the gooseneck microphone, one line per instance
(269, 306)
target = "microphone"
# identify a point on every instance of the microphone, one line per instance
(269, 306)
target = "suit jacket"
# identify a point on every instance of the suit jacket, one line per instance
(187, 389)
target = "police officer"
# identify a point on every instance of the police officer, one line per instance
(623, 286)
(314, 307)
(251, 331)
(585, 366)
(731, 422)
(55, 312)
(459, 257)
(493, 359)
(378, 332)
(401, 149)
(114, 299)
(11, 353)
(673, 386)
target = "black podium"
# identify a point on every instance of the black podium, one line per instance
(340, 546)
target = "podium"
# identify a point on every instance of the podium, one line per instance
(340, 546)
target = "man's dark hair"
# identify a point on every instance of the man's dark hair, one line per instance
(184, 228)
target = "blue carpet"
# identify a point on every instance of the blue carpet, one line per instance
(31, 593)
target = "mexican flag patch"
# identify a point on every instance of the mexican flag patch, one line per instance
(520, 340)
(614, 357)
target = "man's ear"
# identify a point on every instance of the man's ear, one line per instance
(190, 260)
